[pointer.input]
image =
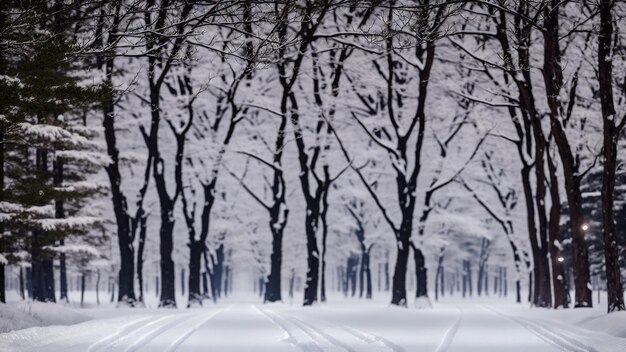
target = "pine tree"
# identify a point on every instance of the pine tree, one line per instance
(45, 154)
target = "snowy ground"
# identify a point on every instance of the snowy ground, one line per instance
(242, 324)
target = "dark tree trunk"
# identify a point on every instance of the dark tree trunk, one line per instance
(98, 287)
(195, 259)
(273, 285)
(168, 283)
(365, 275)
(3, 297)
(496, 281)
(82, 289)
(530, 287)
(553, 81)
(218, 272)
(386, 271)
(42, 271)
(398, 286)
(292, 281)
(554, 235)
(420, 274)
(439, 278)
(140, 250)
(506, 282)
(182, 281)
(261, 284)
(126, 294)
(362, 275)
(22, 293)
(479, 280)
(2, 288)
(59, 213)
(351, 274)
(486, 280)
(313, 263)
(324, 188)
(464, 278)
(612, 132)
(278, 221)
(63, 277)
(379, 276)
(470, 284)
(227, 280)
(205, 285)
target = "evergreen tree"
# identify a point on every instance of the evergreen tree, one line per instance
(45, 153)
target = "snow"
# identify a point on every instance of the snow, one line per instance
(241, 322)
(35, 314)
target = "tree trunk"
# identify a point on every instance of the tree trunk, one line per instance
(553, 81)
(63, 277)
(195, 259)
(398, 285)
(479, 280)
(323, 216)
(312, 274)
(292, 281)
(182, 280)
(42, 271)
(126, 293)
(362, 273)
(3, 297)
(218, 272)
(496, 281)
(82, 289)
(278, 220)
(486, 280)
(59, 213)
(98, 287)
(612, 132)
(22, 293)
(386, 271)
(554, 235)
(420, 274)
(464, 278)
(506, 282)
(140, 250)
(437, 283)
(168, 283)
(470, 284)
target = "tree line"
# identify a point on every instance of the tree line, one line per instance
(391, 110)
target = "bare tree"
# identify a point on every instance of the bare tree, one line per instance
(613, 127)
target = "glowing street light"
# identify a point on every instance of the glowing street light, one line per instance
(560, 259)
(585, 227)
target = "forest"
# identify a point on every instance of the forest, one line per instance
(311, 149)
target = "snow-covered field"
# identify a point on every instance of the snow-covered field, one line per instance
(241, 323)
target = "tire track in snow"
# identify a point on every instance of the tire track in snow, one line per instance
(98, 345)
(450, 333)
(373, 339)
(294, 336)
(316, 333)
(203, 319)
(340, 333)
(134, 339)
(560, 340)
(141, 339)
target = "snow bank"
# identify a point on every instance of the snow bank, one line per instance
(31, 314)
(612, 324)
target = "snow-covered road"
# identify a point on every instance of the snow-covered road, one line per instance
(352, 328)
